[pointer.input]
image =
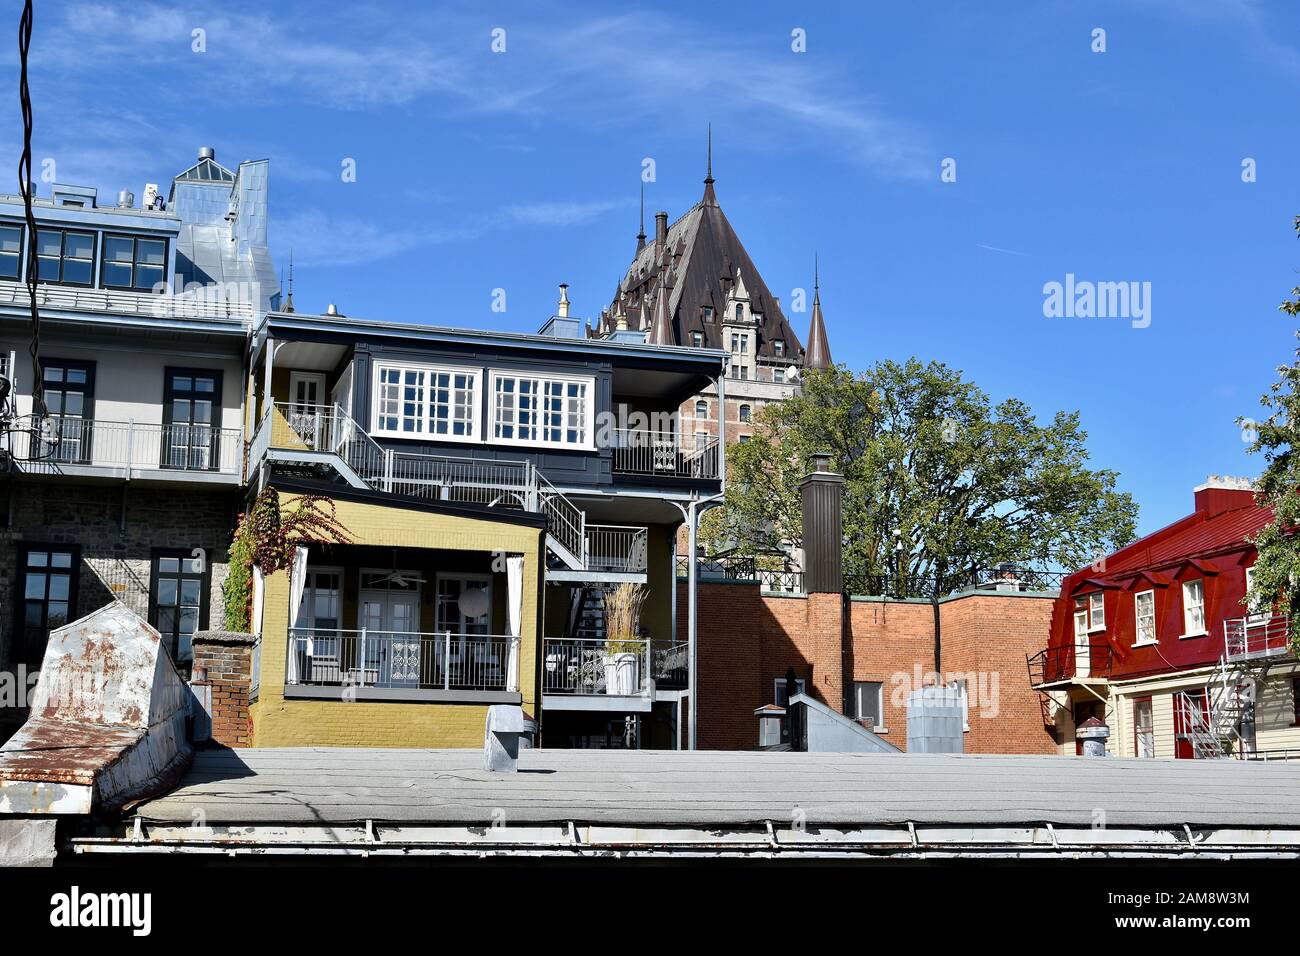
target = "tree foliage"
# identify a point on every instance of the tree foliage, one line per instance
(939, 481)
(1277, 436)
(266, 537)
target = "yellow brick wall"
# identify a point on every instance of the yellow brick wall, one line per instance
(278, 722)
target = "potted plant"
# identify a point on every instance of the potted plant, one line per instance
(622, 649)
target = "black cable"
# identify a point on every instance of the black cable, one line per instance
(26, 184)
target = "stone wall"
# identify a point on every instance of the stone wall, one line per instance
(116, 527)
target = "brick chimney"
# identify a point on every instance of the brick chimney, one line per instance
(222, 678)
(661, 228)
(1222, 493)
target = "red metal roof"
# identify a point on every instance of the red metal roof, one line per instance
(1189, 537)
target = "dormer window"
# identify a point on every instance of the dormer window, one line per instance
(778, 347)
(697, 339)
(757, 317)
(740, 312)
(708, 313)
(1144, 613)
(65, 257)
(134, 263)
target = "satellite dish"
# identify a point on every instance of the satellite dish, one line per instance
(792, 373)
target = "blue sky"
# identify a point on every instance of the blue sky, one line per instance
(518, 170)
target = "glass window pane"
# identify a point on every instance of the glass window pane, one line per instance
(166, 620)
(76, 270)
(190, 591)
(8, 265)
(58, 614)
(48, 243)
(61, 559)
(148, 276)
(35, 586)
(150, 252)
(77, 245)
(182, 383)
(10, 239)
(167, 592)
(59, 584)
(117, 249)
(117, 274)
(37, 559)
(48, 269)
(169, 565)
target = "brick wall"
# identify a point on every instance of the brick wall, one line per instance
(747, 640)
(223, 665)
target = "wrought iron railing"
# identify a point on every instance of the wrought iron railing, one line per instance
(47, 445)
(665, 456)
(402, 659)
(1060, 663)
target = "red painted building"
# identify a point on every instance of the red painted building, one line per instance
(1156, 641)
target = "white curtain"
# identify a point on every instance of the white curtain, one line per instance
(259, 598)
(515, 610)
(297, 585)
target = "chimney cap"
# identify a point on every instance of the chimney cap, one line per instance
(207, 152)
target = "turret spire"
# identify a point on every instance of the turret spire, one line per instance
(709, 196)
(288, 301)
(640, 236)
(819, 348)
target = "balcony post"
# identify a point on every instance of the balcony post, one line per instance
(130, 446)
(446, 660)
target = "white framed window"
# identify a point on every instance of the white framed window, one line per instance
(869, 703)
(778, 347)
(697, 339)
(1144, 613)
(1097, 611)
(745, 412)
(1144, 728)
(1193, 608)
(701, 409)
(779, 690)
(542, 410)
(425, 401)
(739, 343)
(778, 376)
(1256, 611)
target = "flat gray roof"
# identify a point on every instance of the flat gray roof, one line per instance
(329, 786)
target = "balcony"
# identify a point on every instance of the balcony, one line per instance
(1060, 664)
(401, 665)
(1255, 636)
(130, 449)
(641, 453)
(617, 550)
(126, 303)
(585, 667)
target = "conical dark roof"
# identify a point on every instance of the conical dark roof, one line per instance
(703, 255)
(819, 348)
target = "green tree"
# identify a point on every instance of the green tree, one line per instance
(939, 482)
(1277, 437)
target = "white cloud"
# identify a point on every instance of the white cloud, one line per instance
(557, 213)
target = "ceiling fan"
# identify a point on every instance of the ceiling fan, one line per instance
(401, 579)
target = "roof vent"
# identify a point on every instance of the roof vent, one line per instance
(332, 309)
(126, 199)
(207, 152)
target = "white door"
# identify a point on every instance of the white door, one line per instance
(388, 654)
(1082, 647)
(306, 404)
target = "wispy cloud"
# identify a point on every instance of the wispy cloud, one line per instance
(558, 213)
(629, 71)
(1008, 252)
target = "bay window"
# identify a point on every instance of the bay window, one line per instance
(541, 410)
(426, 402)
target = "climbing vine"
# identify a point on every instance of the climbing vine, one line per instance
(266, 537)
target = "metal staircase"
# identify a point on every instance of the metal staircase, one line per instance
(325, 434)
(1212, 723)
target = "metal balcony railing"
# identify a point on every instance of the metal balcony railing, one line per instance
(1253, 636)
(1060, 663)
(47, 446)
(615, 668)
(617, 549)
(402, 659)
(125, 302)
(662, 456)
(329, 429)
